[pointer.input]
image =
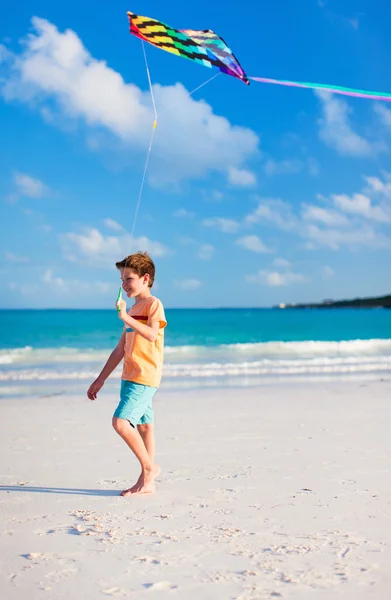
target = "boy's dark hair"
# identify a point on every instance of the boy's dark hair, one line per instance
(141, 263)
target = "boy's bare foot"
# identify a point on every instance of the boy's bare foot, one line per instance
(138, 482)
(145, 483)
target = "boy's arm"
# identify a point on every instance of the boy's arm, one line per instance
(114, 359)
(149, 332)
(112, 363)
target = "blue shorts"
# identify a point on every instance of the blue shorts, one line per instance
(136, 403)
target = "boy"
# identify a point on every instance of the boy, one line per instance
(141, 346)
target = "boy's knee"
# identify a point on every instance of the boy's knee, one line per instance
(119, 424)
(144, 427)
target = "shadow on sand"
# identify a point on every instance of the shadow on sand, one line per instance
(55, 490)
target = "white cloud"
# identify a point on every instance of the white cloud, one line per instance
(336, 238)
(359, 204)
(185, 240)
(29, 289)
(188, 284)
(285, 167)
(182, 213)
(354, 22)
(26, 186)
(206, 252)
(313, 167)
(224, 225)
(53, 280)
(384, 114)
(5, 54)
(57, 284)
(253, 243)
(275, 278)
(327, 272)
(281, 262)
(13, 258)
(364, 215)
(292, 166)
(113, 225)
(336, 130)
(241, 177)
(277, 212)
(378, 186)
(54, 72)
(212, 195)
(217, 195)
(323, 215)
(93, 247)
(350, 21)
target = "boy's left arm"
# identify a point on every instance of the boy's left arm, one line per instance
(149, 332)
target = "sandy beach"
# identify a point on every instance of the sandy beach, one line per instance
(280, 491)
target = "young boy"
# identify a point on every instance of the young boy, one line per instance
(141, 347)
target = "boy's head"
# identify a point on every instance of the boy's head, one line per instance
(137, 273)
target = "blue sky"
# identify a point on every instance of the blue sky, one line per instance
(254, 195)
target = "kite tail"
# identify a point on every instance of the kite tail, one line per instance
(344, 91)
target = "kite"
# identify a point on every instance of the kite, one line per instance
(207, 48)
(203, 47)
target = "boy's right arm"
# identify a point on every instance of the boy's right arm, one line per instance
(112, 363)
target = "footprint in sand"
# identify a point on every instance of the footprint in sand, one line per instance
(223, 511)
(288, 550)
(57, 576)
(108, 482)
(160, 586)
(149, 560)
(115, 591)
(81, 530)
(37, 556)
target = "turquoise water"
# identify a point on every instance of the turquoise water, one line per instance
(101, 328)
(202, 344)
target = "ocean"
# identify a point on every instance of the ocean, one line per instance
(43, 349)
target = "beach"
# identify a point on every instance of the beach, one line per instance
(279, 490)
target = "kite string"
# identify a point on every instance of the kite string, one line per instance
(143, 179)
(149, 81)
(119, 297)
(192, 92)
(150, 141)
(154, 127)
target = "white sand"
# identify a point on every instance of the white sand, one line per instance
(274, 492)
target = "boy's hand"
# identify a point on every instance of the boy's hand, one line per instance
(94, 388)
(121, 307)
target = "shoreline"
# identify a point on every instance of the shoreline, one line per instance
(36, 388)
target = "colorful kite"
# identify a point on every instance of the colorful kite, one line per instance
(203, 47)
(207, 48)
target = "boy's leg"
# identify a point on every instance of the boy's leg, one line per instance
(135, 442)
(147, 432)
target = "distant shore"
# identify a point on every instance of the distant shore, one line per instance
(378, 302)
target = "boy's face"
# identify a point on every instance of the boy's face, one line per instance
(132, 284)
